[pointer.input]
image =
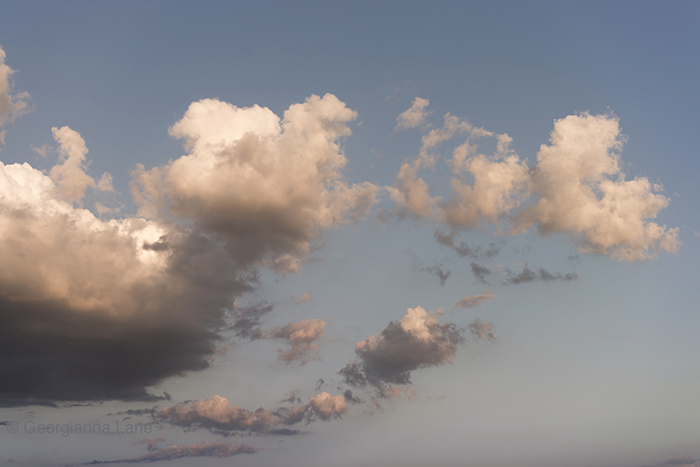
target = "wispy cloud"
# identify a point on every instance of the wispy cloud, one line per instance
(475, 300)
(205, 449)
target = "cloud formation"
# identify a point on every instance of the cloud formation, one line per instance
(218, 415)
(266, 185)
(389, 357)
(95, 310)
(577, 194)
(204, 449)
(577, 184)
(69, 174)
(482, 331)
(541, 274)
(12, 105)
(475, 300)
(414, 116)
(303, 338)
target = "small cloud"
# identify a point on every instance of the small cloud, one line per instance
(475, 300)
(480, 272)
(414, 116)
(541, 274)
(305, 297)
(105, 183)
(42, 150)
(482, 331)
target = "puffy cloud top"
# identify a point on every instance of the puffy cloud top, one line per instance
(267, 185)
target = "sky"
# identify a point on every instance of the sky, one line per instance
(357, 233)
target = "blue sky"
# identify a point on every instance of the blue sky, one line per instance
(281, 278)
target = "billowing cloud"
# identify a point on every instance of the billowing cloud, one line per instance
(577, 184)
(218, 415)
(413, 117)
(12, 105)
(410, 192)
(267, 186)
(474, 300)
(95, 310)
(497, 184)
(577, 194)
(389, 357)
(204, 449)
(69, 174)
(327, 407)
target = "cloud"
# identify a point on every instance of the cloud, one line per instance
(413, 117)
(475, 300)
(463, 249)
(306, 296)
(410, 192)
(266, 186)
(217, 413)
(528, 275)
(577, 184)
(302, 337)
(577, 194)
(247, 323)
(95, 310)
(497, 184)
(437, 269)
(204, 449)
(482, 331)
(327, 407)
(389, 357)
(11, 105)
(685, 461)
(480, 272)
(219, 416)
(69, 175)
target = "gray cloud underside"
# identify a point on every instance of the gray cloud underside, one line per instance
(205, 449)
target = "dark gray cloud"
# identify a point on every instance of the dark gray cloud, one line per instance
(540, 274)
(463, 250)
(53, 351)
(248, 319)
(480, 272)
(205, 449)
(414, 342)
